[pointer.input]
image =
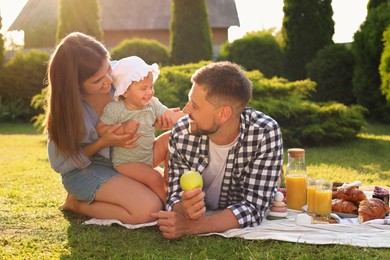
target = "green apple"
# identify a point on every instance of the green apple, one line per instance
(191, 180)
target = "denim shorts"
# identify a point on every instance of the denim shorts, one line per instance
(84, 183)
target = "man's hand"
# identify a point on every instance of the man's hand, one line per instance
(193, 205)
(173, 225)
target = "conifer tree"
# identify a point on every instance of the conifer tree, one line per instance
(190, 38)
(307, 27)
(374, 3)
(2, 49)
(81, 16)
(367, 49)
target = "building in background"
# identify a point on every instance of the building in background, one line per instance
(124, 19)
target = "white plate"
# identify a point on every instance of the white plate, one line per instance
(345, 215)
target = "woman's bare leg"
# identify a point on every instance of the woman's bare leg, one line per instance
(119, 198)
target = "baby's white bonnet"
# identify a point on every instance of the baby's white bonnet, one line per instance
(130, 69)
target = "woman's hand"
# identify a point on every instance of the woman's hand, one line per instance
(114, 136)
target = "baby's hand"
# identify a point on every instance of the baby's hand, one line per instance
(130, 127)
(176, 115)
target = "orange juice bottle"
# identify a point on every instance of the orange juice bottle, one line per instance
(296, 176)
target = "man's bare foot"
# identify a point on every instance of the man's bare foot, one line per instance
(69, 204)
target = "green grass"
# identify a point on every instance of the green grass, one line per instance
(31, 226)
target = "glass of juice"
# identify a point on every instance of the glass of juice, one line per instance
(311, 193)
(323, 199)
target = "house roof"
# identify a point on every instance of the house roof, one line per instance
(126, 14)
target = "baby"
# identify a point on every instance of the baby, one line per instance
(133, 81)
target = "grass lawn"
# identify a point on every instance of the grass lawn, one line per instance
(31, 226)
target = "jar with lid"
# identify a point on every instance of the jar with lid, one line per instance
(296, 176)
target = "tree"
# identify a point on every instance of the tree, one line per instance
(82, 16)
(2, 50)
(332, 70)
(190, 38)
(307, 27)
(384, 67)
(374, 3)
(367, 48)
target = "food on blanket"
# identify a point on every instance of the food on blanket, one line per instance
(350, 193)
(191, 180)
(372, 209)
(278, 209)
(344, 206)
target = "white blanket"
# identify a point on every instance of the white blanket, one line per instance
(345, 233)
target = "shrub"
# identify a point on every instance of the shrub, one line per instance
(255, 51)
(332, 70)
(303, 123)
(151, 51)
(384, 67)
(22, 78)
(12, 110)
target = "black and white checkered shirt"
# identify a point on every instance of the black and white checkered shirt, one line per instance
(252, 169)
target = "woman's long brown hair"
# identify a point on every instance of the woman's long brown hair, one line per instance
(76, 58)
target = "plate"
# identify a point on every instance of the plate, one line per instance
(345, 215)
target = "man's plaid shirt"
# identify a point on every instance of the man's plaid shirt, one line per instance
(252, 169)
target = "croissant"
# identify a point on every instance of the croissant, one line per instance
(372, 209)
(350, 193)
(344, 206)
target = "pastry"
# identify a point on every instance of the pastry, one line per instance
(372, 209)
(350, 193)
(344, 206)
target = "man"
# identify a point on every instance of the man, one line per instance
(238, 151)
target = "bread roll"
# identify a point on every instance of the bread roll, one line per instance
(350, 193)
(372, 209)
(344, 206)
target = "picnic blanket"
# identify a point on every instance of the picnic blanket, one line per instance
(347, 232)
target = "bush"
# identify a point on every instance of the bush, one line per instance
(384, 67)
(12, 110)
(174, 83)
(255, 51)
(303, 123)
(151, 51)
(22, 78)
(332, 70)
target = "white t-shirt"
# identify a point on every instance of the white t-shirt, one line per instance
(213, 174)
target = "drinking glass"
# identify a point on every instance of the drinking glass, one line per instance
(323, 199)
(311, 193)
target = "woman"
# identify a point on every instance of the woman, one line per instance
(79, 77)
